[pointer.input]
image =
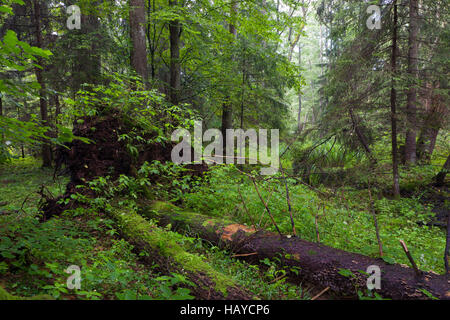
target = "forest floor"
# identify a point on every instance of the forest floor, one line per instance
(34, 256)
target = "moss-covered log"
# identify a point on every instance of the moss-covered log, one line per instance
(164, 248)
(317, 264)
(5, 295)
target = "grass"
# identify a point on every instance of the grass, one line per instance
(34, 256)
(21, 178)
(344, 220)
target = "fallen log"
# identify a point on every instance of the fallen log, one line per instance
(164, 249)
(343, 272)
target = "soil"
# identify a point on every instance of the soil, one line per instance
(104, 156)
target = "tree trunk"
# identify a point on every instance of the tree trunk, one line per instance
(137, 34)
(57, 106)
(300, 124)
(209, 283)
(46, 150)
(396, 183)
(316, 263)
(299, 119)
(362, 139)
(440, 178)
(427, 141)
(175, 69)
(151, 45)
(227, 107)
(411, 106)
(87, 67)
(435, 117)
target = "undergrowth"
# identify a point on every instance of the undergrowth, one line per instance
(35, 256)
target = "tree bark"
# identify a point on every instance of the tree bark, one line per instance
(411, 106)
(87, 67)
(227, 107)
(175, 68)
(316, 263)
(396, 183)
(137, 34)
(46, 150)
(436, 114)
(299, 119)
(209, 283)
(362, 139)
(440, 178)
(427, 140)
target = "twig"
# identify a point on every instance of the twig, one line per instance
(23, 203)
(320, 293)
(375, 221)
(288, 201)
(317, 228)
(277, 279)
(265, 205)
(267, 202)
(245, 208)
(244, 254)
(408, 254)
(302, 182)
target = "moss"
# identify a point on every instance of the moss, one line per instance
(163, 206)
(178, 214)
(166, 243)
(207, 223)
(5, 295)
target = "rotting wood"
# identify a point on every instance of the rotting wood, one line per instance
(316, 263)
(208, 283)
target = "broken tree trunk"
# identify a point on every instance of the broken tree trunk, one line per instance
(440, 178)
(164, 248)
(317, 264)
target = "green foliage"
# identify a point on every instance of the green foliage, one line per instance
(344, 222)
(37, 254)
(267, 281)
(15, 56)
(315, 160)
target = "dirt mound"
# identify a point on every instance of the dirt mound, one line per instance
(106, 155)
